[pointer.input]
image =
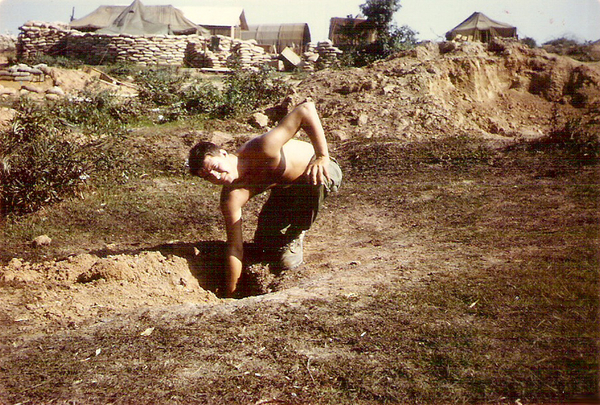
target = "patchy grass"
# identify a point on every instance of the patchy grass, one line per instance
(503, 308)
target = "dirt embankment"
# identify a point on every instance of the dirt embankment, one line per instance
(505, 94)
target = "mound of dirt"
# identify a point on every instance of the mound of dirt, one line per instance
(504, 91)
(86, 289)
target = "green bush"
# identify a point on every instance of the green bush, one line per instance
(201, 98)
(178, 94)
(97, 112)
(39, 165)
(42, 161)
(55, 61)
(160, 86)
(245, 90)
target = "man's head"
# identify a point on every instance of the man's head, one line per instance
(212, 163)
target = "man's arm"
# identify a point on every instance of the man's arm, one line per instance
(232, 201)
(304, 116)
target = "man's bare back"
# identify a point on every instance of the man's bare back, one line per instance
(269, 160)
(257, 169)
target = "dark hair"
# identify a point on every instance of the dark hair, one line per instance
(198, 153)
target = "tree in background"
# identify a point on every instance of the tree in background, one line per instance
(530, 42)
(387, 39)
(380, 14)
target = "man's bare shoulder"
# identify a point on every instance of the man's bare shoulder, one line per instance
(253, 146)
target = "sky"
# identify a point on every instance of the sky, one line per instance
(542, 20)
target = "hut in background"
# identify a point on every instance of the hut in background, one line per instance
(479, 27)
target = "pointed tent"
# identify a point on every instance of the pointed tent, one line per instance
(137, 19)
(479, 27)
(102, 17)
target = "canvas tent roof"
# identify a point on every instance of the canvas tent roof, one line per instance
(137, 19)
(279, 35)
(479, 26)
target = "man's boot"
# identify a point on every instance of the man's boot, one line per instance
(291, 253)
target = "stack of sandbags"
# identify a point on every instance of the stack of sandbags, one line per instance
(218, 52)
(328, 54)
(141, 50)
(309, 57)
(41, 38)
(25, 73)
(156, 50)
(249, 53)
(210, 52)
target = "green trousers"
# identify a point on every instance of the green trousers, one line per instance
(291, 209)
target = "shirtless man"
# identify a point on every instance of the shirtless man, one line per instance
(299, 175)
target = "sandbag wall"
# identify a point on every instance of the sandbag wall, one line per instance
(196, 51)
(39, 38)
(97, 49)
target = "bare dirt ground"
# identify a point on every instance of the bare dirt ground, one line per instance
(375, 233)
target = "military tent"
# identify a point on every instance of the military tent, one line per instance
(479, 27)
(280, 36)
(137, 19)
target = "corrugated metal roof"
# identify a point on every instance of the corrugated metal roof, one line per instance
(279, 35)
(216, 16)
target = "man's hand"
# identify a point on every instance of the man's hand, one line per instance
(317, 170)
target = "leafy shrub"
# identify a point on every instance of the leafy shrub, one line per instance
(245, 90)
(39, 166)
(56, 61)
(42, 162)
(160, 86)
(530, 42)
(178, 94)
(201, 98)
(121, 70)
(97, 112)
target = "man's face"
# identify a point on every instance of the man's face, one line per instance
(218, 169)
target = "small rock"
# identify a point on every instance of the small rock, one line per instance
(42, 240)
(259, 120)
(339, 135)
